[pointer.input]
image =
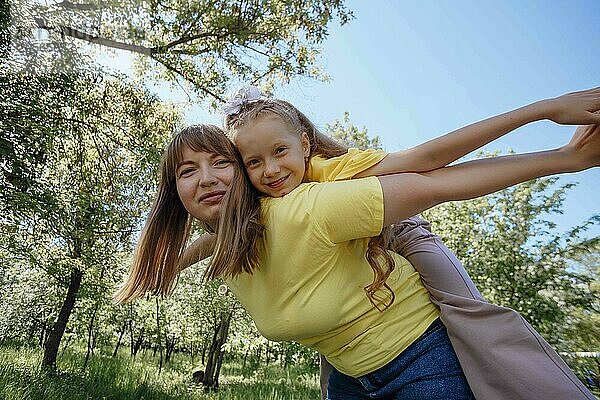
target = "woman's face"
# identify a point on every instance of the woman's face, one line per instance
(202, 181)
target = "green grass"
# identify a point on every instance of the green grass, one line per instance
(126, 378)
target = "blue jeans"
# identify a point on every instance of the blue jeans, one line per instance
(428, 369)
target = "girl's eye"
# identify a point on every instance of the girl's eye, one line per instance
(251, 163)
(280, 149)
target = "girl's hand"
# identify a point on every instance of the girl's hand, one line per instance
(577, 108)
(584, 147)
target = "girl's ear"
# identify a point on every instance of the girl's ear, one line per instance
(305, 144)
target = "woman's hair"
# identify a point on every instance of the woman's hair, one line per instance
(167, 229)
(320, 144)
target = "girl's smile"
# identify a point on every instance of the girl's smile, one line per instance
(279, 182)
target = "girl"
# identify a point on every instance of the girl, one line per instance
(280, 148)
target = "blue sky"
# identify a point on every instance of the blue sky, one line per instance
(410, 71)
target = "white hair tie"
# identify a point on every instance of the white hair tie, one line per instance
(244, 95)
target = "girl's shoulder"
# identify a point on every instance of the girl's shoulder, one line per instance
(346, 166)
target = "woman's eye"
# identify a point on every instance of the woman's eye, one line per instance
(222, 163)
(185, 172)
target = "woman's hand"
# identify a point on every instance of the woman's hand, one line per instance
(577, 108)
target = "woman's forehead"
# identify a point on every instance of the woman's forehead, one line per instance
(187, 152)
(221, 147)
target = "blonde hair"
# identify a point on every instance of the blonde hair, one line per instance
(378, 258)
(167, 229)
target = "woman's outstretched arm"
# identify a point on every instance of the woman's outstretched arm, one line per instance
(576, 108)
(198, 250)
(408, 194)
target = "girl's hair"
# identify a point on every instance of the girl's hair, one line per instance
(379, 259)
(167, 229)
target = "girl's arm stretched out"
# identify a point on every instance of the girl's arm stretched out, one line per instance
(576, 108)
(572, 108)
(410, 193)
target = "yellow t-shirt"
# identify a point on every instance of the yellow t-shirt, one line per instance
(309, 285)
(344, 167)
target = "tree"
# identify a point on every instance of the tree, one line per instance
(204, 44)
(350, 135)
(95, 166)
(513, 255)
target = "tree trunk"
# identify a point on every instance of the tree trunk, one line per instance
(258, 354)
(138, 344)
(223, 339)
(204, 348)
(215, 353)
(42, 338)
(31, 333)
(56, 334)
(170, 347)
(120, 338)
(158, 340)
(287, 357)
(131, 329)
(268, 353)
(90, 341)
(66, 344)
(245, 359)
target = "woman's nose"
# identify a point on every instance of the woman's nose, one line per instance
(206, 178)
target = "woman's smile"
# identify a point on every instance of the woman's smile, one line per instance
(212, 198)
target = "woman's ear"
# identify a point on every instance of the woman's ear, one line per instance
(305, 144)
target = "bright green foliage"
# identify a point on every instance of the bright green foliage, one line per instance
(79, 151)
(583, 331)
(136, 378)
(204, 43)
(351, 135)
(79, 167)
(515, 258)
(32, 117)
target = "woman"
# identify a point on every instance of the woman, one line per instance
(216, 174)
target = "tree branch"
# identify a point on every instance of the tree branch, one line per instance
(74, 33)
(78, 6)
(187, 39)
(267, 72)
(184, 76)
(77, 34)
(253, 49)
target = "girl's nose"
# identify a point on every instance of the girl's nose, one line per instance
(271, 169)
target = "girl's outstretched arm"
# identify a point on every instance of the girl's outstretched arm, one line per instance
(200, 249)
(410, 193)
(570, 109)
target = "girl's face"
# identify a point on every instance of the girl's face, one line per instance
(202, 181)
(273, 155)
